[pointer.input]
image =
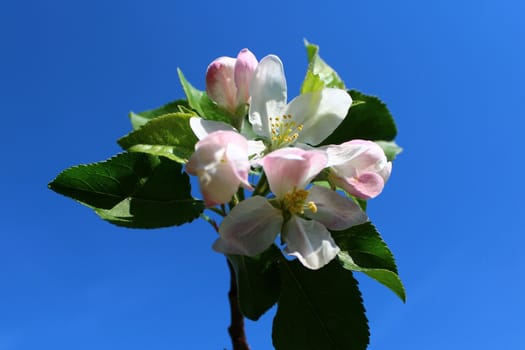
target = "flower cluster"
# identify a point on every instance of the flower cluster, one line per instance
(278, 139)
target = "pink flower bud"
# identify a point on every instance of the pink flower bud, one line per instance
(221, 163)
(228, 80)
(359, 167)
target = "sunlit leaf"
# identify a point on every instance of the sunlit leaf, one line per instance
(169, 136)
(133, 190)
(363, 249)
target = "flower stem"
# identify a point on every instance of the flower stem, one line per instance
(262, 188)
(236, 329)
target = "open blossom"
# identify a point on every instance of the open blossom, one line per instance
(302, 216)
(221, 163)
(359, 167)
(309, 118)
(228, 80)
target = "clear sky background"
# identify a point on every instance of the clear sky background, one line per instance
(451, 72)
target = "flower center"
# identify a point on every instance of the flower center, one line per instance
(294, 202)
(284, 130)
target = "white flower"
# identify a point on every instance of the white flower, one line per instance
(309, 118)
(302, 216)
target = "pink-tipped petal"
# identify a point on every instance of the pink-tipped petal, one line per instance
(333, 210)
(359, 167)
(292, 168)
(221, 163)
(365, 186)
(220, 83)
(310, 242)
(250, 228)
(245, 66)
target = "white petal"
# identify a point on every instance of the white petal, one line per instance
(268, 94)
(341, 154)
(310, 242)
(202, 127)
(250, 228)
(319, 112)
(333, 210)
(255, 148)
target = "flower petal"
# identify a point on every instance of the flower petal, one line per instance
(255, 148)
(345, 153)
(221, 162)
(245, 66)
(268, 94)
(202, 127)
(292, 168)
(310, 242)
(333, 210)
(250, 228)
(319, 112)
(220, 84)
(359, 167)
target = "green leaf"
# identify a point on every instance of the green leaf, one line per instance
(390, 148)
(370, 120)
(312, 83)
(319, 309)
(363, 249)
(169, 136)
(132, 190)
(319, 72)
(258, 282)
(139, 119)
(201, 103)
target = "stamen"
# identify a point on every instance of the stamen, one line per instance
(294, 202)
(284, 130)
(311, 205)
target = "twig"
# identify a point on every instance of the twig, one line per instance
(236, 329)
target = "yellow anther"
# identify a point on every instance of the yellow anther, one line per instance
(284, 130)
(312, 207)
(294, 202)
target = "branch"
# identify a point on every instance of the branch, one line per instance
(236, 329)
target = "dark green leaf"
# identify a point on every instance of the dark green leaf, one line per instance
(319, 309)
(133, 190)
(363, 249)
(319, 72)
(258, 282)
(370, 120)
(390, 148)
(201, 103)
(139, 119)
(169, 136)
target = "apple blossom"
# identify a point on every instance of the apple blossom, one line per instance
(302, 216)
(359, 167)
(309, 118)
(221, 162)
(228, 81)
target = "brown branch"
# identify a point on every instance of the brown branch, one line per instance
(236, 329)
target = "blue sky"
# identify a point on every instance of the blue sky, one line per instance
(451, 73)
